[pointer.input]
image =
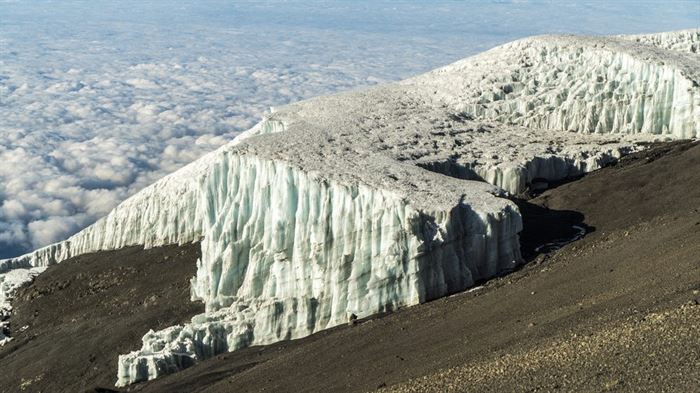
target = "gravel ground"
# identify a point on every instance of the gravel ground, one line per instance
(73, 321)
(614, 311)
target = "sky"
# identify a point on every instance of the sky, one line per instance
(101, 98)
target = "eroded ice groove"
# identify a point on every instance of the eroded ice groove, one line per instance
(287, 253)
(361, 205)
(687, 41)
(584, 84)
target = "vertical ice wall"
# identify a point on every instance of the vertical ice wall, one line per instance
(590, 85)
(165, 212)
(287, 253)
(687, 41)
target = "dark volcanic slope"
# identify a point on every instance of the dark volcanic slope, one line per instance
(84, 312)
(614, 311)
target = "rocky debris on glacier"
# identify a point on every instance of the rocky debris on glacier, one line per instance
(364, 202)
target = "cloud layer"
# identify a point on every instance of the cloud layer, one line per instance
(99, 100)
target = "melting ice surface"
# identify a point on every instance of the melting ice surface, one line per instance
(366, 201)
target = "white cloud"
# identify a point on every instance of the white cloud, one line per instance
(13, 209)
(51, 230)
(98, 101)
(142, 83)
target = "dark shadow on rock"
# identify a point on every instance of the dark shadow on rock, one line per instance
(100, 389)
(544, 230)
(540, 185)
(543, 226)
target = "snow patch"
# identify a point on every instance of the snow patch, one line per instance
(9, 283)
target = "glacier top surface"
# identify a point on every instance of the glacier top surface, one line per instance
(378, 136)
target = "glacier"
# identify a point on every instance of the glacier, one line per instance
(687, 41)
(358, 203)
(581, 84)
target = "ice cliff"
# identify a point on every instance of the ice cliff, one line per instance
(581, 84)
(683, 41)
(363, 202)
